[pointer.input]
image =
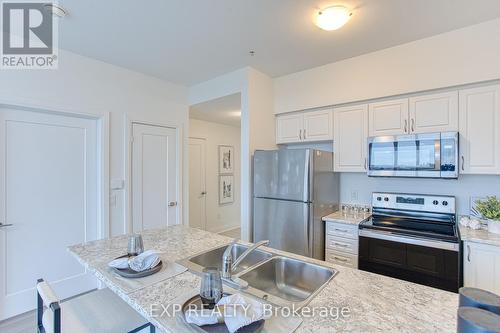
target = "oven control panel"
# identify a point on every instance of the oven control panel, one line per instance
(417, 202)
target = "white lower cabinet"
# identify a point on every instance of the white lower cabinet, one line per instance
(341, 244)
(482, 266)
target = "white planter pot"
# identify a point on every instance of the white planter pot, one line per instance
(494, 226)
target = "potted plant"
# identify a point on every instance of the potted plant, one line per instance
(490, 210)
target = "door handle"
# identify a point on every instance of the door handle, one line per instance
(5, 225)
(463, 162)
(413, 125)
(203, 193)
(172, 204)
(406, 125)
(468, 253)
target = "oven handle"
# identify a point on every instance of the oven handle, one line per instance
(390, 236)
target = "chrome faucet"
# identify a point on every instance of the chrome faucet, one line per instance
(228, 266)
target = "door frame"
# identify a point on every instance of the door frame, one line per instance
(205, 161)
(102, 118)
(127, 207)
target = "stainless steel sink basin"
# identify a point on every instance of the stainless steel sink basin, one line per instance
(283, 280)
(213, 258)
(278, 279)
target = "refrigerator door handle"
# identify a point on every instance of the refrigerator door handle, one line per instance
(307, 228)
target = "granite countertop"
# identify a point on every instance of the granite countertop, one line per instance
(375, 303)
(479, 236)
(340, 217)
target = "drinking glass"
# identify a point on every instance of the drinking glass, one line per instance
(135, 245)
(211, 287)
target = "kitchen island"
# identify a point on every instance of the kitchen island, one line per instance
(375, 303)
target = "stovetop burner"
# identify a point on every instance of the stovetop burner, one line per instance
(422, 216)
(412, 228)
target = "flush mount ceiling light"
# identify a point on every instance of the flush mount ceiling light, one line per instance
(332, 18)
(56, 10)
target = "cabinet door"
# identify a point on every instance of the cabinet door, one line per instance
(388, 117)
(434, 113)
(482, 266)
(289, 128)
(479, 111)
(350, 138)
(318, 126)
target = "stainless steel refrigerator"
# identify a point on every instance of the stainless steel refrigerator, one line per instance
(293, 189)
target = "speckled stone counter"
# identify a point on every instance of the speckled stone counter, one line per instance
(339, 217)
(479, 236)
(376, 303)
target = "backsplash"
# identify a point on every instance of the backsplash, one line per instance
(356, 188)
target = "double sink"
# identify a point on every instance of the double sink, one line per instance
(280, 280)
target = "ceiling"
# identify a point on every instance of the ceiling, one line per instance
(225, 110)
(190, 41)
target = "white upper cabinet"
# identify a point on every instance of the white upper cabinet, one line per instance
(482, 266)
(318, 126)
(434, 113)
(306, 126)
(350, 138)
(289, 128)
(480, 130)
(388, 117)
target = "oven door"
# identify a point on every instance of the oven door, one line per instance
(428, 262)
(417, 155)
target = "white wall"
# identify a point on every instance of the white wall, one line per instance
(85, 85)
(463, 188)
(461, 56)
(219, 217)
(257, 122)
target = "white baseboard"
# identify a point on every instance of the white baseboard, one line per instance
(226, 229)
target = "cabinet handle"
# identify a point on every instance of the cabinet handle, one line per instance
(304, 135)
(463, 162)
(406, 125)
(340, 259)
(300, 134)
(468, 253)
(413, 125)
(340, 230)
(5, 225)
(366, 162)
(341, 245)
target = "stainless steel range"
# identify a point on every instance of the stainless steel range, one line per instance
(412, 237)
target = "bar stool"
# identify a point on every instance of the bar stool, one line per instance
(97, 311)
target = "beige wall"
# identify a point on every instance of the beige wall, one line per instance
(219, 218)
(461, 56)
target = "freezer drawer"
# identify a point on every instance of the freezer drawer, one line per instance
(284, 223)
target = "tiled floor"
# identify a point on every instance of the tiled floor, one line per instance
(233, 233)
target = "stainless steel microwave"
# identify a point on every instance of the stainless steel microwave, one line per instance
(430, 155)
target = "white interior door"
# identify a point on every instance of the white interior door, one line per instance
(197, 183)
(154, 177)
(49, 193)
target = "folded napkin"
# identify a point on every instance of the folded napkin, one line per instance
(142, 262)
(238, 311)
